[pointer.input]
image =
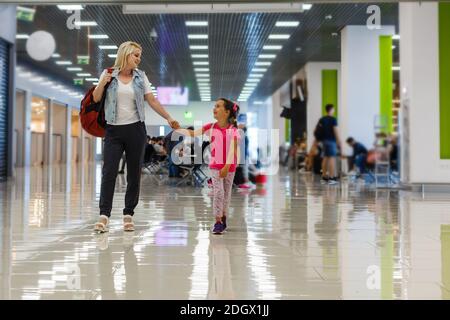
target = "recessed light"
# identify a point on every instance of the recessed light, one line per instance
(196, 23)
(250, 85)
(258, 102)
(255, 75)
(197, 36)
(86, 23)
(263, 63)
(107, 47)
(396, 68)
(98, 36)
(201, 69)
(22, 36)
(112, 55)
(328, 17)
(306, 6)
(253, 80)
(394, 47)
(203, 80)
(56, 55)
(200, 63)
(198, 47)
(396, 37)
(199, 56)
(70, 7)
(83, 74)
(202, 75)
(334, 34)
(63, 62)
(279, 36)
(298, 49)
(74, 69)
(272, 47)
(287, 24)
(259, 69)
(91, 79)
(267, 56)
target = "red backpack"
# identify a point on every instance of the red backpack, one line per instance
(92, 114)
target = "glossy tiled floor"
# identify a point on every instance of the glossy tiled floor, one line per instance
(294, 240)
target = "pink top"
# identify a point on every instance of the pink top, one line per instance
(220, 145)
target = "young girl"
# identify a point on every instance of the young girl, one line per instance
(224, 138)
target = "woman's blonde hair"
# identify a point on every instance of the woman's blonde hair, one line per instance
(124, 51)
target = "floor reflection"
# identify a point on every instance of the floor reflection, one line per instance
(292, 239)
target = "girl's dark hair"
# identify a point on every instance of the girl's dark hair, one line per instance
(233, 107)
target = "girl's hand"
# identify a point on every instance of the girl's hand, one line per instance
(173, 123)
(223, 172)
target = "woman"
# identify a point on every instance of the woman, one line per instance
(125, 130)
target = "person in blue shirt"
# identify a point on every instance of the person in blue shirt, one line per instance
(359, 156)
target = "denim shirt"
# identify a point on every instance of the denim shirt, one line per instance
(111, 96)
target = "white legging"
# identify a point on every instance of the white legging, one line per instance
(222, 192)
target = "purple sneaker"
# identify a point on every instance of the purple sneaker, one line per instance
(224, 222)
(218, 228)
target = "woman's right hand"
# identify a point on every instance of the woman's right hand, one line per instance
(106, 78)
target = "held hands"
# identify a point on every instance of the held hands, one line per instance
(173, 123)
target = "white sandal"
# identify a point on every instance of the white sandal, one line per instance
(102, 226)
(128, 224)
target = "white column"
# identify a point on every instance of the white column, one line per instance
(314, 104)
(360, 76)
(68, 144)
(27, 130)
(48, 156)
(419, 79)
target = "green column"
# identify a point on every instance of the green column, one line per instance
(386, 89)
(330, 89)
(287, 130)
(444, 79)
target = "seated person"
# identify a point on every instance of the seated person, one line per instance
(359, 156)
(393, 153)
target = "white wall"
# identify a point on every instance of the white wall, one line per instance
(201, 111)
(360, 76)
(8, 23)
(419, 60)
(313, 73)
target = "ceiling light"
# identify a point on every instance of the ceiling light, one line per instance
(198, 47)
(83, 74)
(396, 37)
(259, 69)
(258, 102)
(287, 24)
(263, 63)
(199, 56)
(112, 55)
(267, 56)
(201, 63)
(91, 79)
(56, 55)
(256, 75)
(272, 47)
(203, 80)
(36, 79)
(63, 63)
(74, 69)
(394, 47)
(196, 23)
(253, 80)
(86, 23)
(70, 7)
(201, 69)
(306, 6)
(202, 75)
(98, 36)
(250, 84)
(22, 36)
(279, 36)
(197, 36)
(107, 47)
(396, 68)
(242, 100)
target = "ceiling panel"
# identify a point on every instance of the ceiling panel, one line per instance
(235, 40)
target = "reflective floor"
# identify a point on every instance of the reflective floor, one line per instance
(295, 239)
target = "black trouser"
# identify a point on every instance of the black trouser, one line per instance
(130, 138)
